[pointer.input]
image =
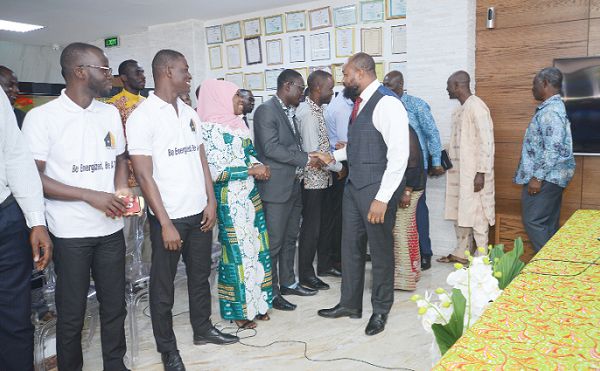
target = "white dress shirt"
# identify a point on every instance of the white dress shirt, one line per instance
(391, 120)
(18, 173)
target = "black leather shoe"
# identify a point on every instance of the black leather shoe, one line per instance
(339, 311)
(315, 284)
(331, 272)
(172, 361)
(298, 290)
(280, 303)
(425, 262)
(376, 324)
(215, 336)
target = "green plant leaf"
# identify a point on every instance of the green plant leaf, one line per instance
(510, 264)
(446, 335)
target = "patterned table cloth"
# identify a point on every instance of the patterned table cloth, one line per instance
(548, 318)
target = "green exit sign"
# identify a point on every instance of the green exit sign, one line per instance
(111, 41)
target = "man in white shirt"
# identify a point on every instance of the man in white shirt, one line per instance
(169, 162)
(377, 155)
(78, 145)
(21, 208)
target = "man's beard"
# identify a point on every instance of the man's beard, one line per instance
(351, 92)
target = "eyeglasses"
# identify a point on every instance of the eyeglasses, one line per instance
(106, 70)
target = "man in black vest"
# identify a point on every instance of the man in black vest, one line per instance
(377, 154)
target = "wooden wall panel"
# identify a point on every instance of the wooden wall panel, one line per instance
(594, 8)
(591, 182)
(516, 13)
(594, 37)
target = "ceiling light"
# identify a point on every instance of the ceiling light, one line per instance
(18, 26)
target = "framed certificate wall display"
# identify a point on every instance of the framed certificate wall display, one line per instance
(337, 73)
(215, 56)
(344, 42)
(252, 27)
(302, 71)
(398, 39)
(274, 51)
(344, 16)
(273, 24)
(320, 46)
(295, 21)
(380, 71)
(372, 10)
(254, 81)
(319, 18)
(234, 56)
(271, 78)
(395, 9)
(232, 31)
(297, 49)
(371, 40)
(214, 35)
(236, 78)
(253, 51)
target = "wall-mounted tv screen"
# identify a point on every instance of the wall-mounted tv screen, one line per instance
(581, 94)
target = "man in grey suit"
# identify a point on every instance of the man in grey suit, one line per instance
(278, 144)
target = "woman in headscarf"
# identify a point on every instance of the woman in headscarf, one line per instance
(245, 291)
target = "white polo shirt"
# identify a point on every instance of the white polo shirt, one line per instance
(79, 147)
(154, 129)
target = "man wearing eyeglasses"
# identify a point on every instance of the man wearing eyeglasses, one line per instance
(78, 145)
(278, 144)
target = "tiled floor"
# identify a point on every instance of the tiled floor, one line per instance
(403, 344)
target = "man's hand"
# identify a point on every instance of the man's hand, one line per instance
(260, 172)
(109, 203)
(340, 145)
(319, 160)
(478, 182)
(405, 199)
(342, 173)
(534, 187)
(209, 216)
(436, 171)
(377, 212)
(171, 237)
(41, 247)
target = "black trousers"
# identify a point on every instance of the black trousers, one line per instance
(196, 252)
(310, 232)
(356, 231)
(541, 213)
(330, 239)
(16, 331)
(73, 260)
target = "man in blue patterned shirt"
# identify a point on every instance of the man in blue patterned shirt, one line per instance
(421, 120)
(547, 163)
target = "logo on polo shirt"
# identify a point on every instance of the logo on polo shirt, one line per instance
(109, 140)
(192, 126)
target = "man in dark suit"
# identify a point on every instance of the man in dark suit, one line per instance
(278, 144)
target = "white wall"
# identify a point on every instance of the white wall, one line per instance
(31, 63)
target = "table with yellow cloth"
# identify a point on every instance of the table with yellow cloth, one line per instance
(548, 318)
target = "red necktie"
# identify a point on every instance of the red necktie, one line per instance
(355, 109)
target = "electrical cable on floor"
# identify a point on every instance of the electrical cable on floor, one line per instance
(589, 265)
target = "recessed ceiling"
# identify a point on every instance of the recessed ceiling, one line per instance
(67, 21)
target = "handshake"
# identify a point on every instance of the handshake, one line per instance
(260, 172)
(321, 159)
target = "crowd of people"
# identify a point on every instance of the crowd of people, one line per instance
(338, 179)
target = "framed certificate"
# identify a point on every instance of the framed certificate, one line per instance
(371, 40)
(214, 35)
(215, 56)
(297, 49)
(372, 10)
(273, 24)
(236, 78)
(252, 27)
(295, 21)
(398, 39)
(380, 71)
(344, 16)
(401, 67)
(337, 73)
(234, 56)
(271, 78)
(320, 46)
(253, 52)
(302, 71)
(395, 9)
(319, 18)
(319, 68)
(274, 51)
(344, 42)
(254, 81)
(232, 31)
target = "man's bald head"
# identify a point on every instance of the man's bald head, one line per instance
(162, 60)
(363, 61)
(459, 86)
(460, 77)
(394, 81)
(75, 55)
